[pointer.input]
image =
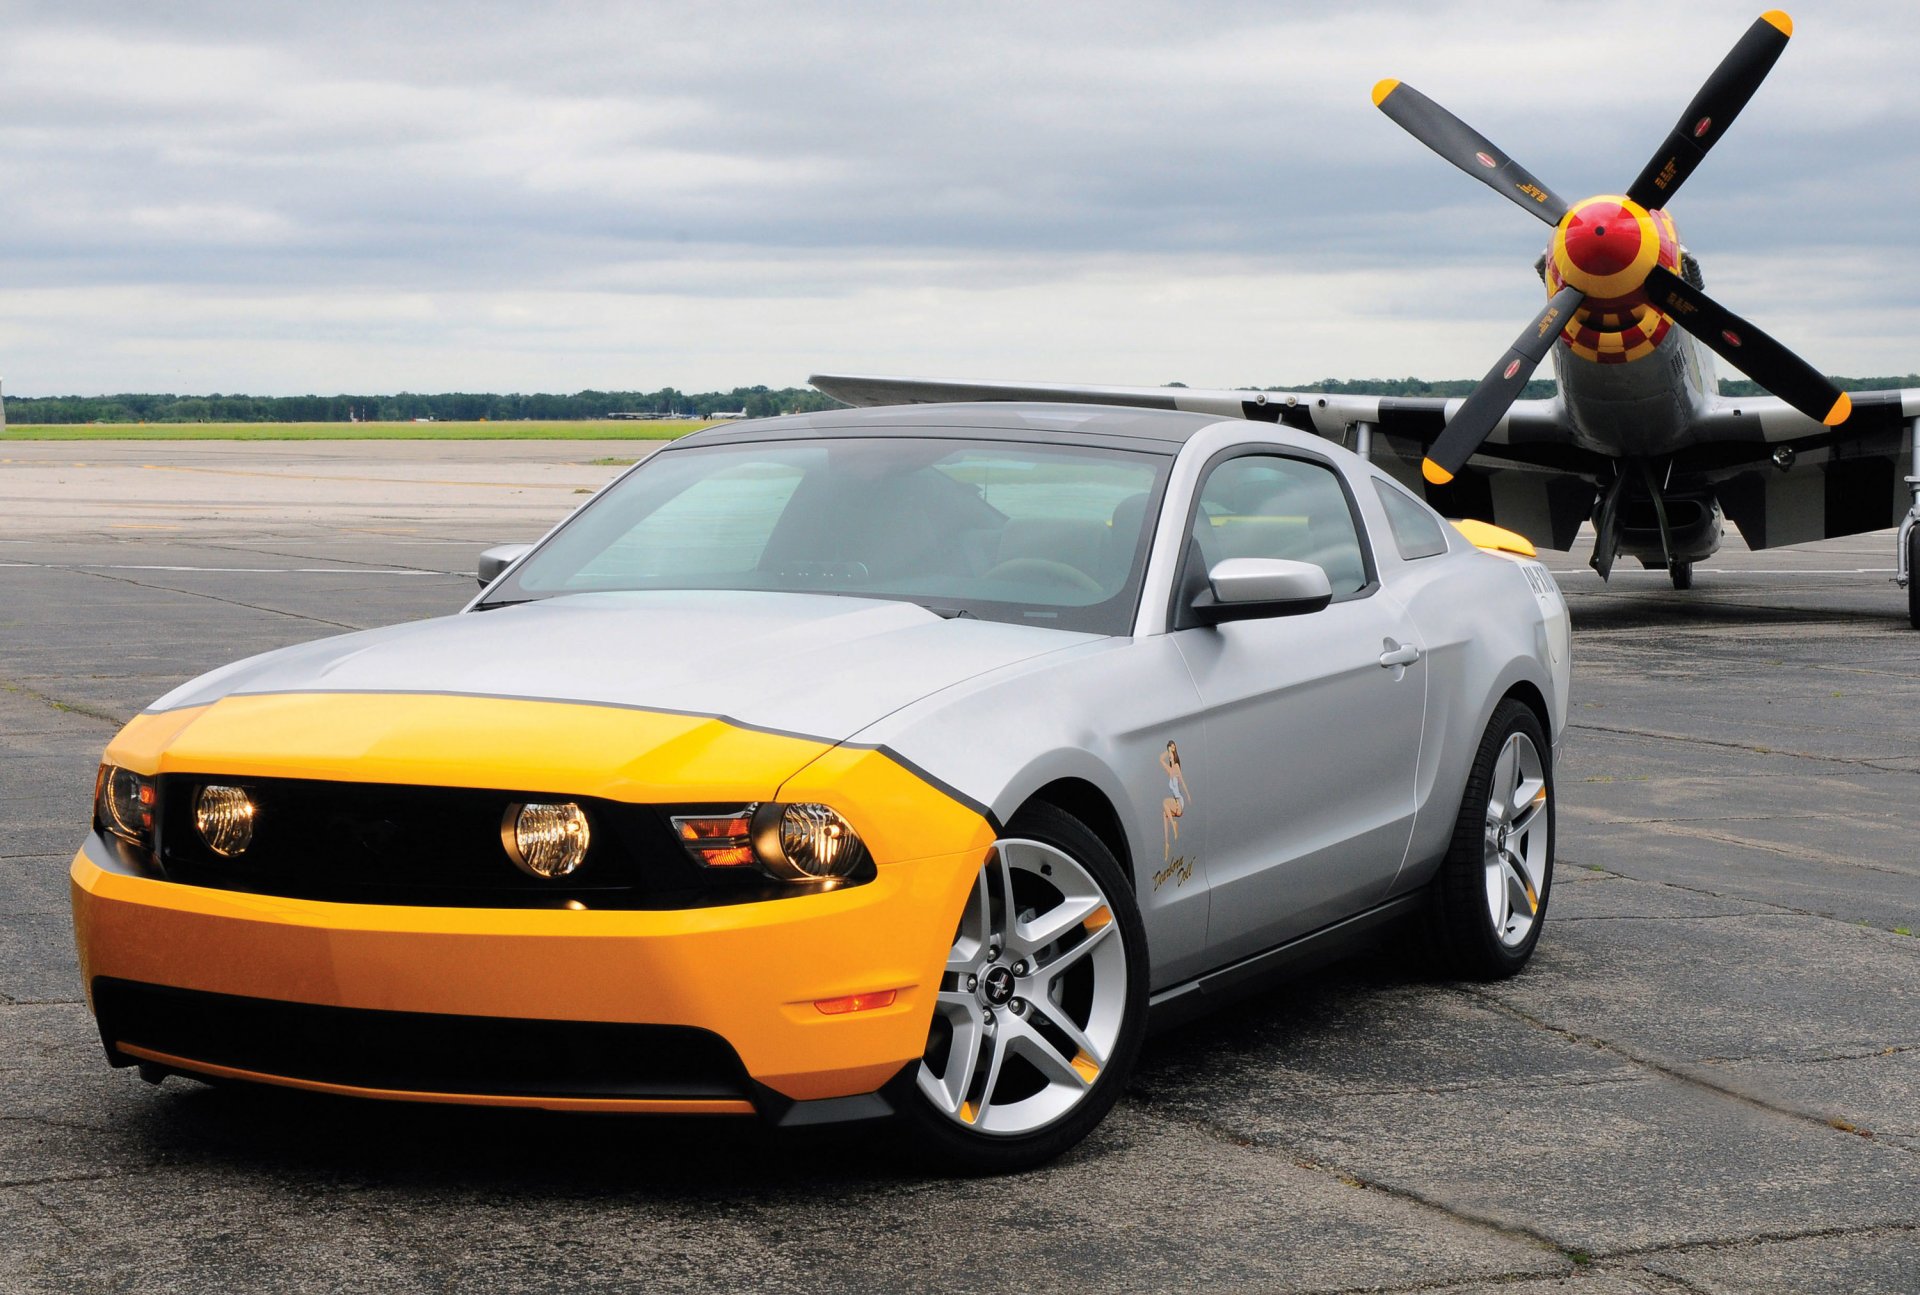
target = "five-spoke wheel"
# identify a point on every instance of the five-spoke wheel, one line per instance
(1041, 1003)
(1518, 840)
(1490, 896)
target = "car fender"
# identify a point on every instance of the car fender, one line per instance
(1487, 634)
(1101, 713)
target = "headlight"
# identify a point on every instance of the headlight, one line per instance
(805, 842)
(224, 817)
(546, 840)
(798, 843)
(123, 801)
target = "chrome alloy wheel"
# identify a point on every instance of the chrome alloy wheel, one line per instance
(1518, 839)
(1033, 996)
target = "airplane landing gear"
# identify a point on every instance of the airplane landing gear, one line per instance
(1907, 555)
(1913, 585)
(1682, 574)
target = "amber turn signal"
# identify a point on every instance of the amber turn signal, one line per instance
(857, 1002)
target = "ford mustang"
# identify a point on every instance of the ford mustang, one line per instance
(812, 770)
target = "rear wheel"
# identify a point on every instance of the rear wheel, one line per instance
(1490, 898)
(1042, 1004)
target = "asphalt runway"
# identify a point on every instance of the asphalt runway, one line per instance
(1707, 1081)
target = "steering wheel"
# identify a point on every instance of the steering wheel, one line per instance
(1048, 570)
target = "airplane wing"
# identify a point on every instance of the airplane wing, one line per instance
(1528, 476)
(1783, 478)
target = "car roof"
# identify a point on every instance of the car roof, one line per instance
(1141, 429)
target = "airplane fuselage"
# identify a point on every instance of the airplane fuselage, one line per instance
(1647, 408)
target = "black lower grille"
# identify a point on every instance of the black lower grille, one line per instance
(372, 843)
(420, 1052)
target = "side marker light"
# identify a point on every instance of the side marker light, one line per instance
(857, 1002)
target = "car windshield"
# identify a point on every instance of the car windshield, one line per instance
(999, 530)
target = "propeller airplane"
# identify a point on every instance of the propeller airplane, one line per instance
(1638, 439)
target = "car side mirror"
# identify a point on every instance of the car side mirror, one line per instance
(498, 559)
(1243, 589)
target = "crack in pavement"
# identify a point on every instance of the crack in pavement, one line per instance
(1782, 910)
(1678, 917)
(64, 707)
(1671, 1070)
(405, 566)
(1222, 1132)
(1857, 761)
(1869, 1054)
(1671, 828)
(230, 602)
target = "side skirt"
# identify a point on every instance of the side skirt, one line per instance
(1189, 999)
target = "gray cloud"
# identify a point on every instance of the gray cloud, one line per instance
(275, 198)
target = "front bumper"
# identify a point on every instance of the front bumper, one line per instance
(474, 1005)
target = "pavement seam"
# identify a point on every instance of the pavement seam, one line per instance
(1756, 1239)
(1868, 1055)
(1781, 910)
(230, 602)
(1858, 761)
(64, 707)
(1672, 1070)
(1785, 851)
(1222, 1132)
(407, 566)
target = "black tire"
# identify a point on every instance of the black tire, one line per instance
(953, 1147)
(1913, 577)
(1682, 573)
(1466, 943)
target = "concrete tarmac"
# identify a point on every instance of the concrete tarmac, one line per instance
(1707, 1081)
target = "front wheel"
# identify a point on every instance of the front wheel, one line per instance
(1042, 1004)
(1490, 898)
(1682, 575)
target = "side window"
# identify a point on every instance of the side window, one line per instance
(1265, 506)
(1417, 532)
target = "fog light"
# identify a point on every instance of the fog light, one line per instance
(545, 840)
(224, 816)
(806, 842)
(124, 801)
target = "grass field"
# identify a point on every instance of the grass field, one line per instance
(584, 430)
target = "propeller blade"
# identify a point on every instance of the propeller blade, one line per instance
(1466, 148)
(1713, 109)
(1748, 349)
(1489, 402)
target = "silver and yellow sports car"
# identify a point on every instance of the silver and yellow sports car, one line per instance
(814, 769)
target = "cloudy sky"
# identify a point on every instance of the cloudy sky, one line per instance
(281, 198)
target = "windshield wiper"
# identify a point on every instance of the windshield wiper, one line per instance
(949, 613)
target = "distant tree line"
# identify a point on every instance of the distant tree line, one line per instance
(451, 406)
(759, 402)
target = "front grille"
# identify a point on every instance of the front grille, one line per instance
(420, 1052)
(378, 843)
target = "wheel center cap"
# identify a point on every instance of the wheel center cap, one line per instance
(997, 985)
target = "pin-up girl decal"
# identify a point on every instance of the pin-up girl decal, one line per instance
(1175, 804)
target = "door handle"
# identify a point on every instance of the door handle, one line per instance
(1398, 655)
